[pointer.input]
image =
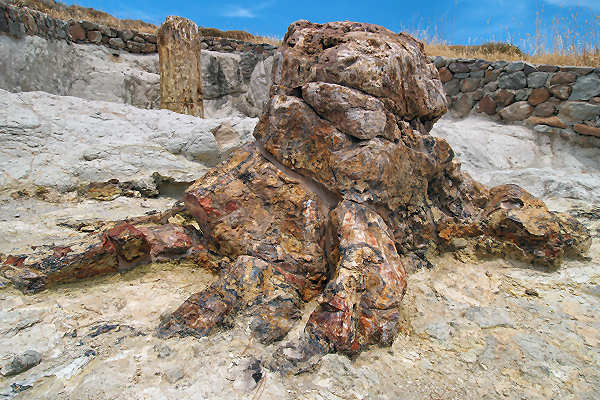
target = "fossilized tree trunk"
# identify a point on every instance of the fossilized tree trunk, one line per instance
(344, 191)
(180, 72)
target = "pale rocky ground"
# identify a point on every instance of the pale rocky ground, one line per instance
(471, 332)
(487, 330)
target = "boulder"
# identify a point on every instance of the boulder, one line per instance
(537, 79)
(77, 32)
(576, 111)
(469, 84)
(545, 109)
(586, 87)
(487, 105)
(514, 66)
(561, 92)
(538, 96)
(463, 104)
(587, 130)
(550, 121)
(452, 87)
(457, 67)
(516, 112)
(445, 75)
(562, 78)
(515, 80)
(504, 98)
(180, 67)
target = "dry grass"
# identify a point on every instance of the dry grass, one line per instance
(61, 11)
(567, 40)
(563, 57)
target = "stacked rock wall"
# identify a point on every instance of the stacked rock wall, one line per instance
(551, 99)
(22, 21)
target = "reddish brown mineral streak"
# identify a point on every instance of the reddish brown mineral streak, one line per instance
(342, 193)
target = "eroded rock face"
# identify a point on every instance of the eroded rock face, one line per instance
(370, 58)
(180, 67)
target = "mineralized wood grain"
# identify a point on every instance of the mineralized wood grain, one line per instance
(180, 72)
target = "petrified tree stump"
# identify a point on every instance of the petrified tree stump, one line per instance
(180, 72)
(344, 191)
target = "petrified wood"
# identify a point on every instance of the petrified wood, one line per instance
(343, 192)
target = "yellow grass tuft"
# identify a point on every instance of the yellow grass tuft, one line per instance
(569, 40)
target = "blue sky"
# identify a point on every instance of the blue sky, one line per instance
(455, 21)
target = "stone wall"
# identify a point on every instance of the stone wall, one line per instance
(19, 22)
(551, 99)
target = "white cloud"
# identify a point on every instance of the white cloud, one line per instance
(591, 4)
(237, 11)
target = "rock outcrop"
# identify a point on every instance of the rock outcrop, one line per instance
(95, 141)
(343, 193)
(180, 68)
(548, 166)
(91, 72)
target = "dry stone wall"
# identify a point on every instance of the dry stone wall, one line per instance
(551, 99)
(22, 21)
(38, 52)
